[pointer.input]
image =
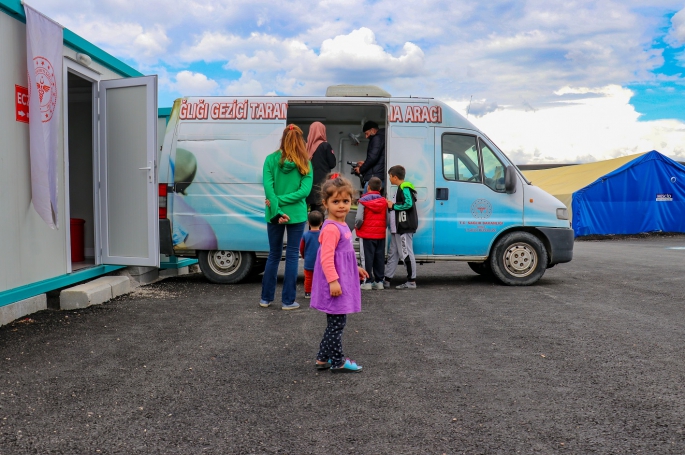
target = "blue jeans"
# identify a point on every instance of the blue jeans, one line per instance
(292, 253)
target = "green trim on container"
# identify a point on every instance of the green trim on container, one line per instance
(175, 262)
(14, 8)
(41, 287)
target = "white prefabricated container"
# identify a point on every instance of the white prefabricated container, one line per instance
(106, 167)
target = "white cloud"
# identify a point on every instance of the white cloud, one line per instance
(188, 83)
(291, 66)
(678, 27)
(601, 125)
(127, 40)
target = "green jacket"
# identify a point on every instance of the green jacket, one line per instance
(286, 189)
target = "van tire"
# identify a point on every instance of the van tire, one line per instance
(224, 266)
(518, 259)
(481, 268)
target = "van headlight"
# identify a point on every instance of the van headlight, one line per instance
(562, 214)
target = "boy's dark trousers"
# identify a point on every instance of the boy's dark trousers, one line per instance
(374, 259)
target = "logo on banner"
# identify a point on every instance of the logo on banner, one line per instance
(46, 85)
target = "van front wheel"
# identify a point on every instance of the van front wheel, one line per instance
(226, 267)
(518, 259)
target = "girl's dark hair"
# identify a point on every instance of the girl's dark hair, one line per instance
(331, 187)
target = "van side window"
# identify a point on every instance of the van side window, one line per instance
(493, 169)
(460, 158)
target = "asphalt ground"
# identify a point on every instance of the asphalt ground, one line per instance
(588, 361)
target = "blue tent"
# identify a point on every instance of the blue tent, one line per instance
(646, 194)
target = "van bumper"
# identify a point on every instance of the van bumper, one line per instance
(166, 246)
(560, 241)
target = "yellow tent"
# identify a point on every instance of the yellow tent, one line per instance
(562, 182)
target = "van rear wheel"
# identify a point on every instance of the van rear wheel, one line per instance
(518, 259)
(224, 266)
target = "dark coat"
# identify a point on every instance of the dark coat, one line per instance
(323, 160)
(374, 165)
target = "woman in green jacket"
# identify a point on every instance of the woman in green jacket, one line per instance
(287, 179)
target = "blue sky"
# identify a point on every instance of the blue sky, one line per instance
(548, 80)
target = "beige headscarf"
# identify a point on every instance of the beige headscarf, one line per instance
(316, 136)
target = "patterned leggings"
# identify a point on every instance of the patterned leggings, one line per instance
(331, 343)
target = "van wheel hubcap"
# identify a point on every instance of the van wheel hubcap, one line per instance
(520, 259)
(224, 262)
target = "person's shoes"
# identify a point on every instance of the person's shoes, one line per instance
(264, 304)
(307, 295)
(366, 286)
(407, 285)
(386, 284)
(378, 285)
(350, 366)
(292, 306)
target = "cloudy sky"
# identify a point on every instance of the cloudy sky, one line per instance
(547, 80)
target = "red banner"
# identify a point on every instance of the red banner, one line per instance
(21, 103)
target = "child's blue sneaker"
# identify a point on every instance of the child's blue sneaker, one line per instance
(292, 306)
(350, 366)
(264, 304)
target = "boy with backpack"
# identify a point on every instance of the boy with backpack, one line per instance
(403, 224)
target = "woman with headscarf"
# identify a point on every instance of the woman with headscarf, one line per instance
(323, 160)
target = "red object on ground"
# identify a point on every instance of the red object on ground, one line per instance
(77, 240)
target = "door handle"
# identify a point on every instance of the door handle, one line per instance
(148, 169)
(442, 194)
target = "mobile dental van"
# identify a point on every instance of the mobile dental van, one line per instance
(473, 204)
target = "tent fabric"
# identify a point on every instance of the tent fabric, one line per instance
(562, 182)
(646, 194)
(628, 195)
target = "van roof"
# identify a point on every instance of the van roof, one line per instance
(346, 90)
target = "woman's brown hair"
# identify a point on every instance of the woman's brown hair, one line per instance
(294, 149)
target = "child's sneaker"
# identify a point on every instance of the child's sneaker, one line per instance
(307, 295)
(407, 285)
(366, 286)
(386, 284)
(378, 285)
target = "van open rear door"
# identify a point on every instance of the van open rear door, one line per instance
(128, 191)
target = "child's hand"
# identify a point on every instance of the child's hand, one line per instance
(267, 202)
(390, 203)
(363, 274)
(335, 288)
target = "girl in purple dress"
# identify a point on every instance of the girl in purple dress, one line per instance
(335, 285)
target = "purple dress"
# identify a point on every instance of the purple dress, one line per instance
(345, 261)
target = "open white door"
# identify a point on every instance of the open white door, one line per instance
(128, 190)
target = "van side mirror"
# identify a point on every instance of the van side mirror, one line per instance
(510, 180)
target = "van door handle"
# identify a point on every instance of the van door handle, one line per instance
(442, 194)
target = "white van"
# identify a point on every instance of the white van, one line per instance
(473, 204)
